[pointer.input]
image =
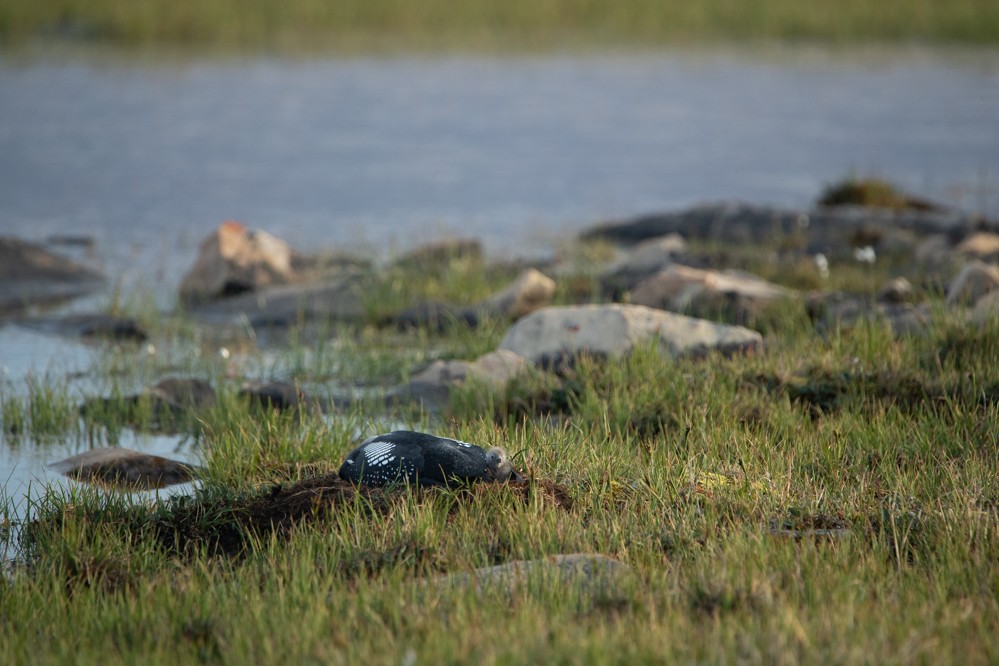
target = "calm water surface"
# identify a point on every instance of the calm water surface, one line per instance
(380, 154)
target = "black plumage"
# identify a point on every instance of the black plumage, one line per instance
(418, 458)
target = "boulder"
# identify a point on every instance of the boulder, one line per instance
(531, 290)
(645, 259)
(981, 245)
(31, 275)
(125, 469)
(586, 573)
(432, 386)
(554, 336)
(233, 260)
(684, 289)
(974, 281)
(339, 299)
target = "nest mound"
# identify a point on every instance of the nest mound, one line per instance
(228, 526)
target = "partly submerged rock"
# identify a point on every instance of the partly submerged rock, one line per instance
(833, 231)
(90, 326)
(31, 275)
(338, 299)
(280, 397)
(125, 469)
(233, 260)
(168, 404)
(581, 572)
(554, 336)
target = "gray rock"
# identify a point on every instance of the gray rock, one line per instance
(339, 299)
(833, 231)
(693, 290)
(233, 260)
(171, 402)
(986, 308)
(556, 335)
(646, 258)
(586, 573)
(974, 281)
(432, 386)
(125, 469)
(280, 397)
(31, 275)
(90, 326)
(830, 310)
(531, 290)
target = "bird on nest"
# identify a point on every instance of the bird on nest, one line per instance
(404, 456)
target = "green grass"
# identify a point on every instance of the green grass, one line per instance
(398, 25)
(704, 476)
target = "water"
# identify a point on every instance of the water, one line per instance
(382, 153)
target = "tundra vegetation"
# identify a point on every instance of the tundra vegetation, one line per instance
(832, 498)
(397, 25)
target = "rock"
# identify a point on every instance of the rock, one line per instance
(31, 275)
(974, 281)
(432, 314)
(587, 573)
(981, 245)
(834, 231)
(280, 397)
(436, 256)
(90, 326)
(556, 335)
(169, 403)
(432, 386)
(338, 299)
(692, 290)
(233, 260)
(125, 469)
(831, 310)
(531, 290)
(895, 291)
(645, 259)
(986, 308)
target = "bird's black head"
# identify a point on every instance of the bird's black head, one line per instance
(499, 468)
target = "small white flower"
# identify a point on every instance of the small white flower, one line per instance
(823, 265)
(150, 349)
(224, 352)
(865, 255)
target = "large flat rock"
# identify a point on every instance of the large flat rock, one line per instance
(556, 335)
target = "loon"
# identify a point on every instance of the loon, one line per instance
(404, 456)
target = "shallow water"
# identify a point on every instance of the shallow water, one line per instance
(379, 154)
